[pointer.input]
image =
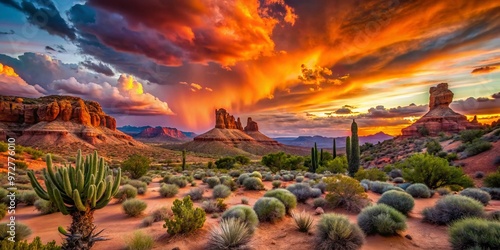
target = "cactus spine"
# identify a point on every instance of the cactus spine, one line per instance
(355, 152)
(78, 191)
(334, 152)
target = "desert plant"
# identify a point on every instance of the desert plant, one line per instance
(301, 190)
(451, 208)
(492, 180)
(134, 207)
(186, 219)
(137, 165)
(353, 159)
(372, 174)
(213, 181)
(147, 221)
(243, 213)
(398, 180)
(225, 163)
(443, 191)
(315, 192)
(45, 207)
(336, 232)
(242, 178)
(139, 241)
(36, 244)
(285, 196)
(401, 201)
(379, 187)
(276, 184)
(180, 181)
(269, 209)
(139, 185)
(468, 136)
(168, 190)
(494, 215)
(244, 200)
(28, 197)
(479, 174)
(253, 183)
(196, 194)
(433, 147)
(3, 210)
(494, 192)
(221, 191)
(477, 194)
(232, 234)
(299, 179)
(320, 202)
(475, 233)
(476, 147)
(78, 191)
(126, 192)
(381, 219)
(419, 190)
(21, 230)
(256, 174)
(303, 221)
(346, 192)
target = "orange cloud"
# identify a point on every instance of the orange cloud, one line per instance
(12, 84)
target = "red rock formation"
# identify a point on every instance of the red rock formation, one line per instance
(251, 125)
(440, 118)
(225, 121)
(162, 132)
(238, 124)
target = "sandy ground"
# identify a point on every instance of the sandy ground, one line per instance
(281, 235)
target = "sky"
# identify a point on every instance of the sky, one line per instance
(296, 67)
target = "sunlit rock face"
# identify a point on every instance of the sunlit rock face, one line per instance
(440, 118)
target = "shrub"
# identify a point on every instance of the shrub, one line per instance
(299, 179)
(301, 190)
(214, 206)
(474, 233)
(381, 219)
(346, 192)
(373, 174)
(419, 190)
(225, 163)
(494, 192)
(213, 181)
(36, 244)
(401, 201)
(180, 181)
(287, 177)
(126, 192)
(253, 183)
(28, 197)
(221, 191)
(139, 185)
(161, 214)
(303, 221)
(146, 179)
(433, 171)
(319, 202)
(234, 173)
(186, 218)
(395, 173)
(477, 194)
(134, 207)
(196, 194)
(147, 221)
(391, 187)
(241, 159)
(276, 184)
(168, 190)
(21, 165)
(285, 196)
(139, 241)
(492, 180)
(442, 191)
(315, 192)
(378, 186)
(243, 213)
(242, 178)
(337, 232)
(269, 209)
(470, 135)
(232, 234)
(22, 231)
(256, 174)
(45, 207)
(136, 165)
(433, 147)
(479, 174)
(321, 186)
(398, 180)
(494, 215)
(3, 210)
(476, 147)
(244, 201)
(451, 208)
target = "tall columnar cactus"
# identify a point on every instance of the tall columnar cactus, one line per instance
(321, 156)
(314, 159)
(355, 152)
(334, 152)
(78, 191)
(348, 148)
(183, 160)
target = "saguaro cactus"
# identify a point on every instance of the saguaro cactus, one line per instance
(334, 152)
(355, 152)
(183, 160)
(348, 148)
(314, 158)
(78, 191)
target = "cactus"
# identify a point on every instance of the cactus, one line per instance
(334, 152)
(314, 159)
(348, 148)
(78, 191)
(183, 160)
(355, 152)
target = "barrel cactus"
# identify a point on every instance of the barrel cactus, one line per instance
(78, 191)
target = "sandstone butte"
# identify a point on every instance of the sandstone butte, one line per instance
(440, 118)
(52, 119)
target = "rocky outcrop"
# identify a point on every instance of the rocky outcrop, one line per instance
(440, 118)
(251, 125)
(157, 132)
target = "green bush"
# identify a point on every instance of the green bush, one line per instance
(468, 136)
(221, 191)
(337, 166)
(373, 174)
(401, 201)
(196, 194)
(213, 181)
(28, 197)
(22, 231)
(139, 241)
(276, 184)
(21, 165)
(381, 219)
(302, 191)
(186, 218)
(346, 192)
(433, 147)
(139, 185)
(476, 147)
(137, 165)
(253, 183)
(36, 244)
(443, 191)
(134, 207)
(241, 159)
(494, 192)
(3, 210)
(475, 233)
(225, 163)
(494, 215)
(335, 231)
(243, 213)
(242, 178)
(180, 181)
(477, 194)
(320, 202)
(419, 190)
(303, 221)
(269, 209)
(379, 187)
(398, 180)
(4, 147)
(256, 174)
(232, 234)
(168, 190)
(434, 172)
(391, 187)
(492, 180)
(451, 208)
(126, 192)
(45, 207)
(285, 196)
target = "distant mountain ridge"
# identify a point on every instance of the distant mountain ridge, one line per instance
(157, 134)
(327, 142)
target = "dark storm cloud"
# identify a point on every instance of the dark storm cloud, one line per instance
(477, 106)
(484, 70)
(48, 48)
(343, 111)
(44, 15)
(10, 32)
(397, 112)
(98, 67)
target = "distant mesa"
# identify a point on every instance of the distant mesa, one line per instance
(157, 134)
(440, 118)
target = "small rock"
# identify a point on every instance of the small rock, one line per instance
(319, 211)
(176, 248)
(273, 242)
(408, 237)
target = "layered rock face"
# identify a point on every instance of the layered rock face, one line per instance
(33, 120)
(440, 118)
(162, 132)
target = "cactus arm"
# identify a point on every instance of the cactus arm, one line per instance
(59, 202)
(67, 183)
(90, 193)
(100, 189)
(62, 230)
(78, 201)
(37, 187)
(116, 184)
(80, 181)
